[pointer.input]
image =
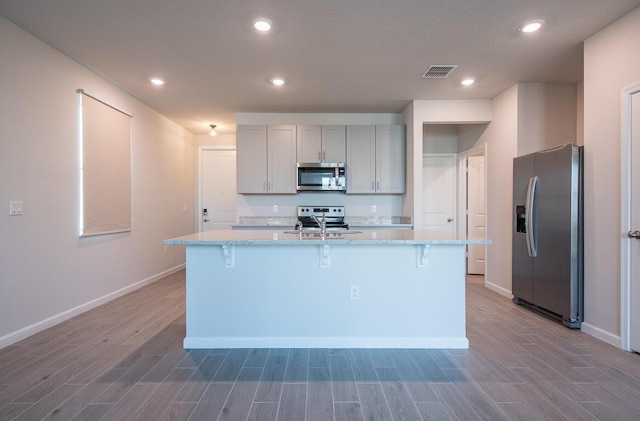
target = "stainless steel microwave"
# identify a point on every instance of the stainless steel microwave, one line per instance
(321, 176)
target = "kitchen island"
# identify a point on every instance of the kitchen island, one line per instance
(373, 289)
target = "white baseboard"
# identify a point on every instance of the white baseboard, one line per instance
(596, 332)
(500, 290)
(601, 334)
(323, 342)
(27, 331)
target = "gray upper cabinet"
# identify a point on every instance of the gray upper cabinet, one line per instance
(390, 159)
(321, 143)
(376, 159)
(251, 156)
(361, 158)
(309, 143)
(334, 143)
(374, 155)
(266, 159)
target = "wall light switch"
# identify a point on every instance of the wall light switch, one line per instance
(275, 208)
(15, 207)
(374, 208)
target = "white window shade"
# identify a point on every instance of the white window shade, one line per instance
(106, 168)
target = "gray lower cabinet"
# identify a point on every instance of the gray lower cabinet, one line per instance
(376, 159)
(266, 159)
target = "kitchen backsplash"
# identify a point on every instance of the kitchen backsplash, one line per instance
(353, 220)
(284, 206)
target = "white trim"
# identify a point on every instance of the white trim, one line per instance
(199, 187)
(461, 189)
(601, 334)
(25, 332)
(625, 217)
(475, 150)
(324, 342)
(497, 288)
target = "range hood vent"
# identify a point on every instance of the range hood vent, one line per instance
(439, 71)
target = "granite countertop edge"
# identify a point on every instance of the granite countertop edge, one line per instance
(258, 237)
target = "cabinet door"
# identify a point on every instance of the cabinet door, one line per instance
(281, 164)
(334, 143)
(361, 156)
(390, 159)
(251, 146)
(309, 141)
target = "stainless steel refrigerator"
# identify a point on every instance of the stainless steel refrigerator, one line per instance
(547, 249)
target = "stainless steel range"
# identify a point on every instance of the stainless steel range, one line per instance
(310, 216)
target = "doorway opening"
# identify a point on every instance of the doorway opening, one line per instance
(472, 209)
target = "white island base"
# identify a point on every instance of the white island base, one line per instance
(338, 293)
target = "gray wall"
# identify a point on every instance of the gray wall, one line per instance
(48, 273)
(547, 114)
(611, 63)
(526, 118)
(440, 138)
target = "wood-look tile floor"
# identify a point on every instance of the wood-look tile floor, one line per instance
(124, 361)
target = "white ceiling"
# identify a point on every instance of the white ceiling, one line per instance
(337, 55)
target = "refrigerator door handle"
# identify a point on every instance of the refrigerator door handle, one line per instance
(531, 195)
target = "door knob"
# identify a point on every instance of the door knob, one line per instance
(634, 234)
(206, 220)
(449, 219)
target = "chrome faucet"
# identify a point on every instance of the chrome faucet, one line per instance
(322, 223)
(299, 229)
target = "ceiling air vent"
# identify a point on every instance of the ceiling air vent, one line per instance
(439, 71)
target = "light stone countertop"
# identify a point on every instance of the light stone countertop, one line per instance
(264, 237)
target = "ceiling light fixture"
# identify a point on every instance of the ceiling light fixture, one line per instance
(532, 26)
(157, 81)
(262, 24)
(213, 130)
(468, 81)
(277, 81)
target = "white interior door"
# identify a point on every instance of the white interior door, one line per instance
(634, 289)
(438, 192)
(476, 213)
(217, 189)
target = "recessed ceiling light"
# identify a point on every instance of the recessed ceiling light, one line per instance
(532, 26)
(277, 81)
(468, 81)
(262, 24)
(157, 81)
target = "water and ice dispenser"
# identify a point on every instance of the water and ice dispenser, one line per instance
(521, 216)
